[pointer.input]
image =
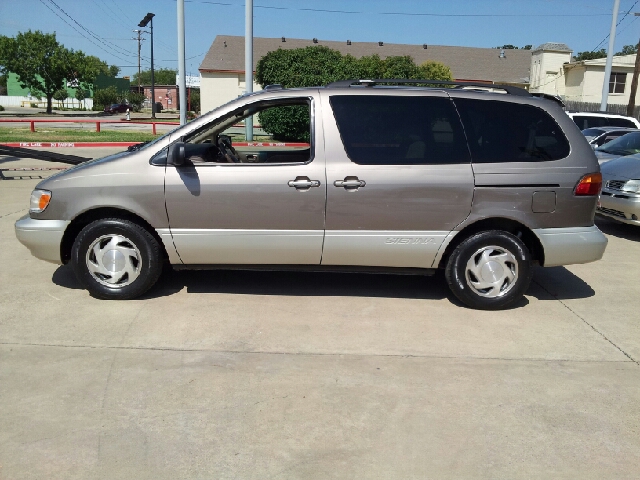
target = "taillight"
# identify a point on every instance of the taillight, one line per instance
(590, 184)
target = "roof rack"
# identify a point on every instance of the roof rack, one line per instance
(404, 81)
(273, 86)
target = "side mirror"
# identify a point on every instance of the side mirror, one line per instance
(176, 154)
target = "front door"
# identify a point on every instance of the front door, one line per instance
(245, 202)
(399, 177)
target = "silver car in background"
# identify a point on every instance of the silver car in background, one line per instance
(397, 179)
(620, 197)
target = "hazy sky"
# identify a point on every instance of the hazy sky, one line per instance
(104, 27)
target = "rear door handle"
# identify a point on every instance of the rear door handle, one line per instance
(303, 183)
(350, 183)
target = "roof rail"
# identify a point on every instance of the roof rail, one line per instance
(274, 86)
(404, 81)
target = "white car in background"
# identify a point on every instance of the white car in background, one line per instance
(602, 119)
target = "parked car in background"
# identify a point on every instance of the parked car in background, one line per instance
(117, 108)
(602, 119)
(601, 135)
(620, 197)
(627, 144)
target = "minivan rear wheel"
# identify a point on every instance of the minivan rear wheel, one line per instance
(116, 259)
(489, 270)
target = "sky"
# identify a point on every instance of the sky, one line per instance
(104, 28)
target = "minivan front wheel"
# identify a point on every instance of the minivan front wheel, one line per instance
(116, 259)
(489, 270)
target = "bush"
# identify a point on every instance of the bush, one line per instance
(106, 96)
(287, 124)
(136, 100)
(1, 108)
(34, 105)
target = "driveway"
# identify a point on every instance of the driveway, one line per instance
(316, 375)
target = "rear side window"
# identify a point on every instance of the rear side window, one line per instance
(500, 132)
(386, 130)
(592, 121)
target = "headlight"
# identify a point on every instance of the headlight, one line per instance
(632, 186)
(39, 201)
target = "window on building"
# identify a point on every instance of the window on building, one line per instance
(617, 82)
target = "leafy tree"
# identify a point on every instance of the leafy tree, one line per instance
(136, 99)
(432, 70)
(39, 61)
(106, 96)
(590, 55)
(161, 76)
(628, 50)
(61, 95)
(508, 47)
(81, 94)
(400, 67)
(113, 71)
(195, 99)
(527, 47)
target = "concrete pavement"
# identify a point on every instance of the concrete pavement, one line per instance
(298, 375)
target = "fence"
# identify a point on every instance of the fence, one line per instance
(17, 101)
(32, 122)
(619, 109)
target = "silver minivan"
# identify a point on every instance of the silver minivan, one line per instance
(354, 176)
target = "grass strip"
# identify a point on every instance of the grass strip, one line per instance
(8, 135)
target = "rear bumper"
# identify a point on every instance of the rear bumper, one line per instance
(42, 237)
(567, 246)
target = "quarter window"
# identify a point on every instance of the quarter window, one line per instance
(501, 132)
(393, 130)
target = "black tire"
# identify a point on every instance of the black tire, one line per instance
(129, 260)
(489, 270)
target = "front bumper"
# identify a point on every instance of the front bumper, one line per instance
(567, 246)
(621, 206)
(42, 237)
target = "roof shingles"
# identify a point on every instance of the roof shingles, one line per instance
(466, 63)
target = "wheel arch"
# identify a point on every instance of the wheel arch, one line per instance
(88, 216)
(524, 233)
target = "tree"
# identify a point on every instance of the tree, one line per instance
(81, 94)
(161, 76)
(106, 96)
(527, 47)
(61, 95)
(590, 55)
(40, 62)
(628, 50)
(432, 70)
(136, 99)
(195, 100)
(113, 71)
(508, 47)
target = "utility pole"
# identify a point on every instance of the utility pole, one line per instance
(143, 23)
(140, 39)
(607, 68)
(181, 65)
(634, 81)
(248, 62)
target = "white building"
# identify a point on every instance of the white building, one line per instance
(554, 72)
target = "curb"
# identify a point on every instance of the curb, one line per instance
(68, 144)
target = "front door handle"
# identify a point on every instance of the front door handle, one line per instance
(303, 183)
(350, 183)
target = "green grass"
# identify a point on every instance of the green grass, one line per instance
(9, 135)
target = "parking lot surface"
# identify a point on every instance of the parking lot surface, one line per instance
(259, 375)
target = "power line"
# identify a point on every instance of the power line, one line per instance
(353, 12)
(98, 38)
(83, 36)
(624, 16)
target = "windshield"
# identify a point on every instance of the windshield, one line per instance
(625, 145)
(592, 132)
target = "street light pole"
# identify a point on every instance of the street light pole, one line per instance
(143, 23)
(181, 65)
